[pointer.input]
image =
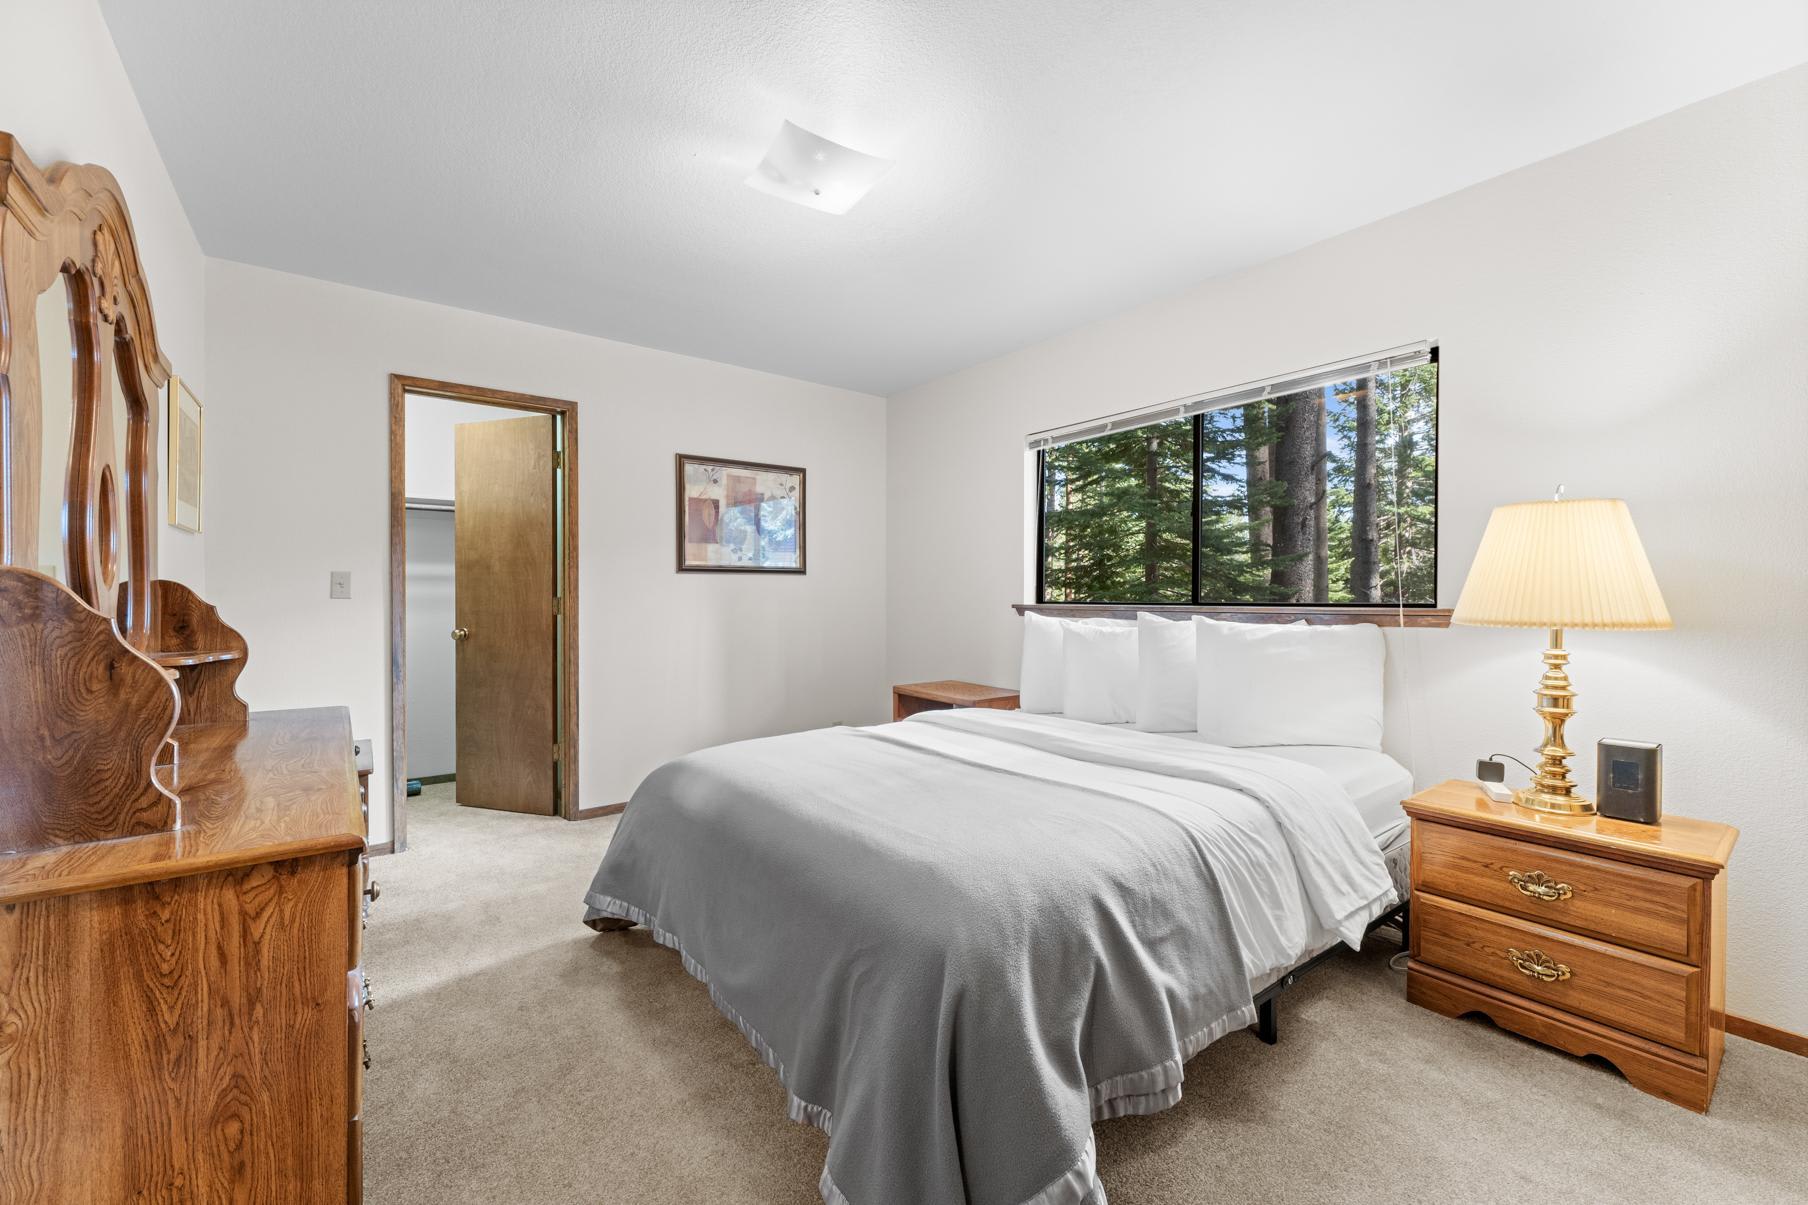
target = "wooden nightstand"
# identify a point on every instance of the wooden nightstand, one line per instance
(913, 697)
(1595, 936)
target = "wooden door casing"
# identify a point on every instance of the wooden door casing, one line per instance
(505, 575)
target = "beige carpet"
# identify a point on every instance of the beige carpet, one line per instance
(520, 1057)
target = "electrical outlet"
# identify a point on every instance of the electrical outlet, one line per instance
(340, 584)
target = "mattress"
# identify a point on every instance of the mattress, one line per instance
(1376, 782)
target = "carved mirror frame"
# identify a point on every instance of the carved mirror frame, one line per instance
(72, 220)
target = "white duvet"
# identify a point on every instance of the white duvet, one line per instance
(1274, 918)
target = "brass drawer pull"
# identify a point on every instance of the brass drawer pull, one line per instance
(1538, 885)
(1536, 964)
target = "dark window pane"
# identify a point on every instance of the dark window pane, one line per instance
(1118, 517)
(1407, 482)
(1236, 496)
(1322, 497)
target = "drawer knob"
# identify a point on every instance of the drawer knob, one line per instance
(1536, 964)
(373, 891)
(1538, 885)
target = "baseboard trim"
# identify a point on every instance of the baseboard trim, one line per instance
(386, 847)
(1767, 1035)
(433, 780)
(602, 809)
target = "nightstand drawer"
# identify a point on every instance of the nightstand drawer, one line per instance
(1640, 994)
(1653, 910)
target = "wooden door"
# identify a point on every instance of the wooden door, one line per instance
(505, 565)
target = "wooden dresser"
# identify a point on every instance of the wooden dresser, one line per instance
(181, 882)
(1592, 935)
(181, 1013)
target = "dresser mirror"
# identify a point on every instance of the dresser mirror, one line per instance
(56, 389)
(80, 380)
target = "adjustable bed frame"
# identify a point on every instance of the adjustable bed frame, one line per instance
(1267, 1027)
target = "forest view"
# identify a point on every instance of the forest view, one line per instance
(1326, 496)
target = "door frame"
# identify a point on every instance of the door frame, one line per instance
(566, 414)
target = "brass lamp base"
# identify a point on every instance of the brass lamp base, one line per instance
(1552, 789)
(1566, 805)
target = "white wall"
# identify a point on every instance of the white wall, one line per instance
(1630, 318)
(427, 452)
(65, 96)
(432, 663)
(671, 662)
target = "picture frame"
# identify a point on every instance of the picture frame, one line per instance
(184, 468)
(739, 516)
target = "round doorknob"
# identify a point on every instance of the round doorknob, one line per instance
(461, 633)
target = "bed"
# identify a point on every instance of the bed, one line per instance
(962, 939)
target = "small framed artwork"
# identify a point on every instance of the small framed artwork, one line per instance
(738, 517)
(184, 456)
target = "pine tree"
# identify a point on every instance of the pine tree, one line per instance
(1118, 516)
(1293, 567)
(1365, 530)
(1229, 571)
(1406, 417)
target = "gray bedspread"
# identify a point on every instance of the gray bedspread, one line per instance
(962, 939)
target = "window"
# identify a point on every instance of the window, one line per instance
(1321, 491)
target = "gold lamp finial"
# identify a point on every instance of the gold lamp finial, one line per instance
(1557, 565)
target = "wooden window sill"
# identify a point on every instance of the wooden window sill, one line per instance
(1381, 616)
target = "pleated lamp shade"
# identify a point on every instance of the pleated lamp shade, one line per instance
(1572, 564)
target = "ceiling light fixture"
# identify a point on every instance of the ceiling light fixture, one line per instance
(811, 170)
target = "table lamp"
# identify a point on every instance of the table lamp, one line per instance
(1557, 565)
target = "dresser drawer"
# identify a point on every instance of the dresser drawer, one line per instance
(1652, 997)
(1652, 910)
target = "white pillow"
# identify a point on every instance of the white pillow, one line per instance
(1099, 674)
(1167, 671)
(1167, 675)
(1264, 684)
(1040, 682)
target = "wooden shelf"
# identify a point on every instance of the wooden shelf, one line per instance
(181, 657)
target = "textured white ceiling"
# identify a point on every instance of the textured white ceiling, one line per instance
(580, 163)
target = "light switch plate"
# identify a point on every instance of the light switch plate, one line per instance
(361, 754)
(340, 584)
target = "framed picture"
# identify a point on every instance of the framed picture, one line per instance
(738, 517)
(184, 456)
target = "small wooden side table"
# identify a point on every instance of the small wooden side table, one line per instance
(913, 697)
(1592, 935)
